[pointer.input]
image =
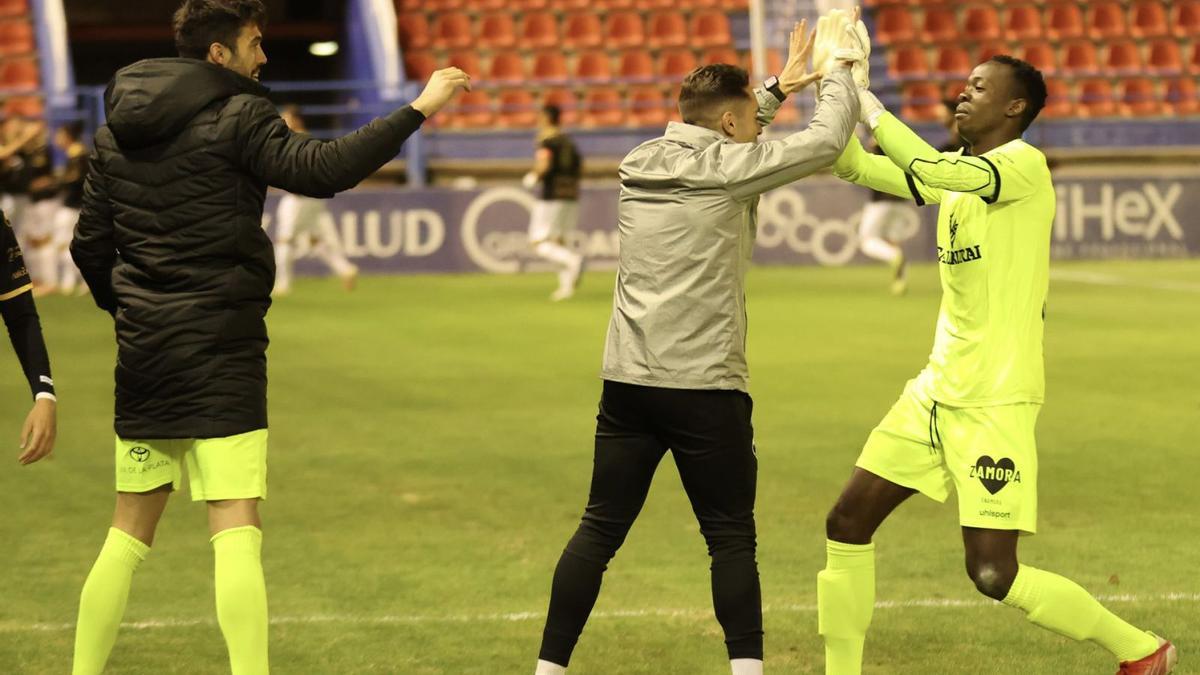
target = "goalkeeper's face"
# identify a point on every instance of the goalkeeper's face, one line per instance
(986, 104)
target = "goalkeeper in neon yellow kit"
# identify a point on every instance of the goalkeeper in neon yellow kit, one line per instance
(967, 420)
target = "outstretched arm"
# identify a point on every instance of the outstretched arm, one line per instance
(860, 167)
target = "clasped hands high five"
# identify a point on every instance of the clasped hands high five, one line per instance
(839, 39)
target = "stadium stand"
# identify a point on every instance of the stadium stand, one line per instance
(19, 69)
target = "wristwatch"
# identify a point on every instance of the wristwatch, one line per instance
(771, 84)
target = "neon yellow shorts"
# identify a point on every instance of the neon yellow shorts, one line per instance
(988, 454)
(233, 467)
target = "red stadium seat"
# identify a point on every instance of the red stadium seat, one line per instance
(1122, 57)
(1149, 19)
(734, 5)
(667, 29)
(593, 65)
(403, 6)
(1185, 19)
(517, 108)
(14, 7)
(1096, 99)
(485, 5)
(550, 65)
(1138, 97)
(624, 29)
(572, 5)
(953, 89)
(710, 28)
(452, 30)
(894, 24)
(16, 38)
(419, 66)
(437, 6)
(921, 101)
(468, 62)
(1041, 56)
(497, 31)
(528, 5)
(473, 110)
(953, 61)
(1182, 97)
(1079, 58)
(507, 67)
(19, 74)
(1058, 99)
(1064, 21)
(614, 4)
(538, 30)
(989, 49)
(788, 114)
(1193, 63)
(636, 64)
(721, 55)
(567, 102)
(909, 62)
(24, 106)
(981, 23)
(939, 24)
(659, 4)
(582, 30)
(603, 107)
(1164, 58)
(1106, 20)
(676, 63)
(1023, 22)
(413, 31)
(648, 107)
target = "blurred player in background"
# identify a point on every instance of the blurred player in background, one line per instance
(170, 241)
(556, 173)
(298, 216)
(36, 227)
(15, 132)
(967, 420)
(25, 332)
(69, 139)
(675, 373)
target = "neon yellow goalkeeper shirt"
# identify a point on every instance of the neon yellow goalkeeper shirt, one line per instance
(993, 248)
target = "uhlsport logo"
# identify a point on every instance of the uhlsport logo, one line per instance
(139, 454)
(995, 475)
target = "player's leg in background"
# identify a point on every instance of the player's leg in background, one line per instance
(876, 221)
(64, 228)
(41, 254)
(627, 453)
(712, 439)
(102, 601)
(545, 235)
(286, 214)
(241, 589)
(566, 220)
(846, 587)
(329, 244)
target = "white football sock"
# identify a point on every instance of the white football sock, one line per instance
(879, 249)
(547, 668)
(746, 666)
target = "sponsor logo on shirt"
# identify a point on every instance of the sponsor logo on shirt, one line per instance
(961, 255)
(995, 475)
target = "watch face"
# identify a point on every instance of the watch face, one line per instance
(771, 82)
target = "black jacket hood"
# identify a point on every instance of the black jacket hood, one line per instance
(151, 101)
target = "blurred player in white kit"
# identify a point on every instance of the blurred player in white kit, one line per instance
(556, 173)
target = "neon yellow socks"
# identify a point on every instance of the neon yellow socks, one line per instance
(845, 603)
(1064, 607)
(242, 598)
(102, 601)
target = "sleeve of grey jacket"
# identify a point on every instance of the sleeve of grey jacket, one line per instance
(92, 246)
(768, 106)
(750, 169)
(309, 166)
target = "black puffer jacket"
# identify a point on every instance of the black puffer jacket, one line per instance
(170, 237)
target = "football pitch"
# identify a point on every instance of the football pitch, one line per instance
(431, 443)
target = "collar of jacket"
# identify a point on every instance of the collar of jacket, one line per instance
(691, 135)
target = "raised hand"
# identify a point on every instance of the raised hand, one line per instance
(796, 75)
(830, 37)
(856, 47)
(442, 87)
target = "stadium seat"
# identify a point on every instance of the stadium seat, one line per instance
(1185, 19)
(538, 30)
(659, 4)
(894, 25)
(636, 65)
(989, 49)
(419, 66)
(734, 5)
(16, 38)
(981, 23)
(567, 103)
(438, 6)
(14, 7)
(550, 65)
(939, 24)
(721, 55)
(507, 67)
(1023, 22)
(788, 114)
(952, 61)
(594, 66)
(582, 30)
(710, 28)
(953, 89)
(517, 108)
(473, 110)
(920, 102)
(24, 106)
(624, 29)
(1122, 57)
(1182, 97)
(497, 31)
(667, 29)
(1138, 97)
(1064, 21)
(1193, 63)
(1058, 99)
(908, 62)
(648, 107)
(403, 6)
(452, 30)
(675, 63)
(1149, 19)
(1039, 55)
(486, 5)
(1164, 58)
(466, 61)
(19, 74)
(1079, 58)
(572, 5)
(1096, 99)
(603, 107)
(614, 4)
(413, 31)
(1106, 20)
(528, 5)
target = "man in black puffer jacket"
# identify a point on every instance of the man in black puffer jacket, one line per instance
(170, 240)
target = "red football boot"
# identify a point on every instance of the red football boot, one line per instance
(1161, 662)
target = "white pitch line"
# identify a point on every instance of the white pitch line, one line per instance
(398, 619)
(1113, 280)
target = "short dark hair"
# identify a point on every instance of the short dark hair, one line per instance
(708, 87)
(199, 23)
(1031, 86)
(552, 113)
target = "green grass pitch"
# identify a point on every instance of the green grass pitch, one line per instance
(430, 455)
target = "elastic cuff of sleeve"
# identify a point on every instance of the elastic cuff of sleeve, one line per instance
(870, 109)
(420, 115)
(45, 394)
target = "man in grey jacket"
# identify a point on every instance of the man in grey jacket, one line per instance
(675, 374)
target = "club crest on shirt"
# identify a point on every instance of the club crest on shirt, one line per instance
(995, 475)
